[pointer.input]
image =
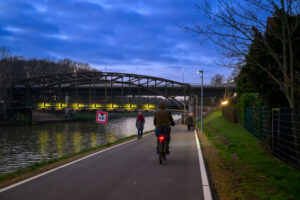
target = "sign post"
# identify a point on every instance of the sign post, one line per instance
(101, 118)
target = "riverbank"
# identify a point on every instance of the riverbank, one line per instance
(58, 117)
(241, 167)
(37, 123)
(43, 166)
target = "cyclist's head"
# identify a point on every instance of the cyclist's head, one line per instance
(162, 105)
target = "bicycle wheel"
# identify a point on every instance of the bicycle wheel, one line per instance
(164, 155)
(160, 158)
(160, 153)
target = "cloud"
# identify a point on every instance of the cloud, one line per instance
(134, 36)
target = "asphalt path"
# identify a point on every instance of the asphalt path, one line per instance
(129, 171)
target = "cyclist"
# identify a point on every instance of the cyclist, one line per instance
(163, 118)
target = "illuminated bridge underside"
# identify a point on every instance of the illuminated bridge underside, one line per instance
(103, 89)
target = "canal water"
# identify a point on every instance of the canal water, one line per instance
(22, 146)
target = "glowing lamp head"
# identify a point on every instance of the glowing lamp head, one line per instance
(224, 103)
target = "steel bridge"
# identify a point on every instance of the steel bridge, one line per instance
(99, 90)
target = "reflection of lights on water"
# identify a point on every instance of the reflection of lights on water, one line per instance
(77, 141)
(93, 139)
(110, 137)
(43, 137)
(59, 144)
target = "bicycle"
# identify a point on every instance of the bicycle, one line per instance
(162, 145)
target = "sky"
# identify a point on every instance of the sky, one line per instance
(128, 36)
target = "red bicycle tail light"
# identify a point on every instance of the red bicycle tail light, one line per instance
(161, 138)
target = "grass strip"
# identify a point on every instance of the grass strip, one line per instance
(40, 167)
(241, 166)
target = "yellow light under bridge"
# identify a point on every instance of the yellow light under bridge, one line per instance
(44, 105)
(95, 106)
(112, 106)
(61, 105)
(78, 105)
(130, 106)
(148, 106)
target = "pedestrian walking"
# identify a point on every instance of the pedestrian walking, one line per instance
(189, 122)
(140, 121)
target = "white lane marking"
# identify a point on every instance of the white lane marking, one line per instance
(206, 192)
(205, 184)
(70, 163)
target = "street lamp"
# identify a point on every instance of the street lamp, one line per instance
(196, 109)
(200, 71)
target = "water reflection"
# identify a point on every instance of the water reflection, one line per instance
(76, 141)
(43, 136)
(59, 144)
(110, 137)
(22, 146)
(94, 139)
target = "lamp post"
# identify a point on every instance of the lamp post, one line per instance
(196, 109)
(200, 71)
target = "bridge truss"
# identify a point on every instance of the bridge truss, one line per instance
(90, 89)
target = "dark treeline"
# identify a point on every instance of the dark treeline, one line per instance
(16, 68)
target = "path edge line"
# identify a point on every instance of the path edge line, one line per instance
(205, 183)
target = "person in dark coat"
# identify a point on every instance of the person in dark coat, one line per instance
(140, 121)
(189, 122)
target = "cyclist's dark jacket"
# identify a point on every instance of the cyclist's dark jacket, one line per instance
(163, 117)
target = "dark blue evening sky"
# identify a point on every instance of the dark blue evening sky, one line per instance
(131, 36)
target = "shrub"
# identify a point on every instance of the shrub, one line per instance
(230, 113)
(247, 100)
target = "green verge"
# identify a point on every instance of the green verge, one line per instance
(39, 165)
(260, 175)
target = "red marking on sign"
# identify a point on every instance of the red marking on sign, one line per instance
(101, 117)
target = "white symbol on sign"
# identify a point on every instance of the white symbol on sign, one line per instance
(101, 117)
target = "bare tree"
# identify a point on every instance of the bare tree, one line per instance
(5, 72)
(233, 76)
(233, 24)
(217, 79)
(4, 52)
